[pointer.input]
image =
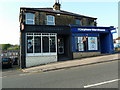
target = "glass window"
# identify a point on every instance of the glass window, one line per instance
(50, 20)
(86, 43)
(45, 42)
(37, 44)
(52, 44)
(80, 44)
(30, 18)
(78, 22)
(92, 43)
(30, 44)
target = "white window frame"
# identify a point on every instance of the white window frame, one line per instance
(41, 35)
(50, 21)
(29, 19)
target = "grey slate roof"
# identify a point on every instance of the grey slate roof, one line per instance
(57, 12)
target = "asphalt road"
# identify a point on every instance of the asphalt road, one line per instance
(102, 75)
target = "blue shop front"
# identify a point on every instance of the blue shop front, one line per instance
(91, 40)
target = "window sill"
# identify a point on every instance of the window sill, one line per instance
(41, 54)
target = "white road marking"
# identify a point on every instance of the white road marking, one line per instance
(105, 82)
(24, 74)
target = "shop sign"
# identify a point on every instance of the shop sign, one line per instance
(81, 29)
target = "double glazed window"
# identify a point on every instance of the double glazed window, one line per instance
(50, 20)
(86, 43)
(29, 18)
(40, 43)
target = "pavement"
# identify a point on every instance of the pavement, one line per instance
(73, 63)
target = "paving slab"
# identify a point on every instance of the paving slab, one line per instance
(72, 63)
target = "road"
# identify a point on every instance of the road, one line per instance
(102, 75)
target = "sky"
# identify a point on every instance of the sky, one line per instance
(106, 12)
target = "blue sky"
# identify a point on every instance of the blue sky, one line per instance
(106, 12)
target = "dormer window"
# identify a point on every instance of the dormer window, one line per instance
(50, 20)
(30, 18)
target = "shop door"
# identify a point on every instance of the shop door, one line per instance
(60, 46)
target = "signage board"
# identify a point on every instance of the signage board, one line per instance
(84, 29)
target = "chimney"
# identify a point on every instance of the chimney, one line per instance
(57, 5)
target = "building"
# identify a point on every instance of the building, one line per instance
(51, 35)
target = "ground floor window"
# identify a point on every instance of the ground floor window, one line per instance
(41, 43)
(92, 43)
(86, 43)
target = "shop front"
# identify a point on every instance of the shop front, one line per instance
(90, 41)
(42, 44)
(45, 44)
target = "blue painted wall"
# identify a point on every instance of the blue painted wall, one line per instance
(105, 37)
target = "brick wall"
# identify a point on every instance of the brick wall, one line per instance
(40, 19)
(85, 54)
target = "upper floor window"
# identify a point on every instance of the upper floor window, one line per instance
(30, 18)
(78, 22)
(50, 20)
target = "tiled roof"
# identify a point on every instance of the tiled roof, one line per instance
(58, 12)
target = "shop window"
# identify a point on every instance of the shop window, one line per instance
(86, 43)
(37, 44)
(52, 44)
(93, 43)
(40, 43)
(50, 20)
(45, 43)
(29, 18)
(30, 44)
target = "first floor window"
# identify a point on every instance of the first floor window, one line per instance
(78, 21)
(29, 18)
(38, 43)
(50, 20)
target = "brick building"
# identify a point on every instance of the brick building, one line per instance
(51, 35)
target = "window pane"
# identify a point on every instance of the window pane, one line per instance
(29, 22)
(45, 43)
(29, 15)
(37, 44)
(30, 18)
(80, 44)
(52, 44)
(29, 44)
(50, 23)
(77, 21)
(92, 43)
(50, 20)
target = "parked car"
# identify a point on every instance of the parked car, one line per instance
(117, 46)
(7, 62)
(15, 61)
